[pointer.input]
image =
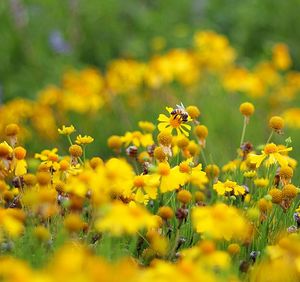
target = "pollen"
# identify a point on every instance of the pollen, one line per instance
(12, 129)
(276, 123)
(139, 181)
(165, 138)
(270, 148)
(247, 109)
(289, 191)
(75, 151)
(276, 195)
(201, 131)
(193, 111)
(20, 153)
(175, 121)
(159, 154)
(184, 196)
(165, 212)
(114, 142)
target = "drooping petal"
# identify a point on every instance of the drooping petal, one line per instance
(281, 159)
(257, 159)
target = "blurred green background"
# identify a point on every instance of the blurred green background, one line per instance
(40, 39)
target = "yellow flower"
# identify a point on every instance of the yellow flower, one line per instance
(220, 222)
(229, 186)
(146, 187)
(170, 178)
(82, 140)
(147, 126)
(271, 152)
(137, 139)
(173, 122)
(66, 130)
(119, 219)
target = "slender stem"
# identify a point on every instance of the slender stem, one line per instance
(147, 242)
(69, 139)
(270, 137)
(83, 147)
(203, 156)
(244, 130)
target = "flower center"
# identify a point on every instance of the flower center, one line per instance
(163, 169)
(270, 148)
(175, 121)
(139, 181)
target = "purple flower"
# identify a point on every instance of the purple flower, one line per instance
(58, 43)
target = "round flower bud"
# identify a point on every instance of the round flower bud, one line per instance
(75, 151)
(247, 109)
(8, 196)
(95, 162)
(184, 196)
(264, 205)
(182, 142)
(4, 150)
(193, 148)
(41, 233)
(114, 142)
(73, 223)
(29, 179)
(199, 196)
(165, 138)
(159, 154)
(233, 249)
(12, 129)
(276, 123)
(165, 212)
(143, 157)
(20, 153)
(212, 171)
(43, 178)
(286, 172)
(289, 191)
(276, 195)
(193, 111)
(201, 131)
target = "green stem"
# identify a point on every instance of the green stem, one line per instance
(69, 139)
(203, 156)
(269, 139)
(244, 130)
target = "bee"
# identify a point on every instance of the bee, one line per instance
(180, 111)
